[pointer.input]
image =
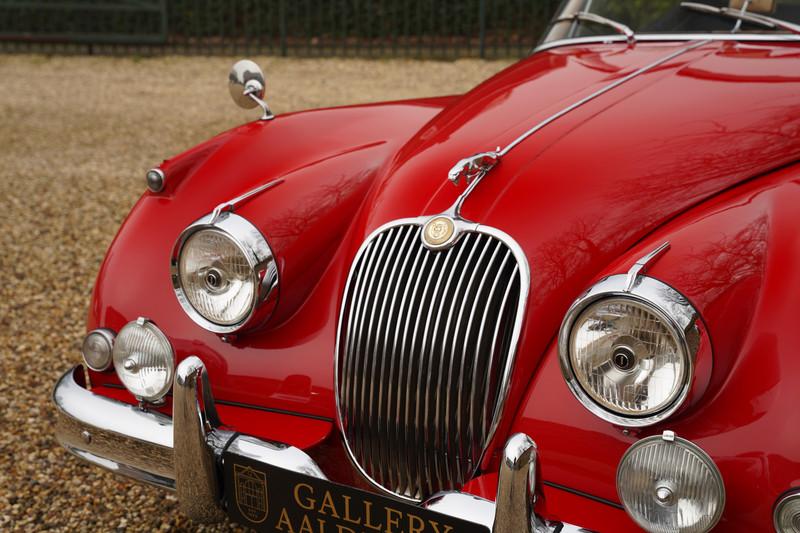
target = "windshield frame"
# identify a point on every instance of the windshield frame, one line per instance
(570, 7)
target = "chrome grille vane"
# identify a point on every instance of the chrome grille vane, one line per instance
(425, 349)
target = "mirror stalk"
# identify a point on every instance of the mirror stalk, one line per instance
(253, 91)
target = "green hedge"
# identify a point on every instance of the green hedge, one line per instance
(446, 27)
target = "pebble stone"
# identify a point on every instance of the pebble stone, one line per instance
(77, 135)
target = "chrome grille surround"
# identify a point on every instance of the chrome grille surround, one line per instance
(417, 403)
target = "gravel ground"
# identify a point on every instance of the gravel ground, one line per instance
(76, 136)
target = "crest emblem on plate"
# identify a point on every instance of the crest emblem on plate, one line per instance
(438, 231)
(251, 493)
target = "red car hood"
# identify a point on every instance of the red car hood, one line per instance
(575, 195)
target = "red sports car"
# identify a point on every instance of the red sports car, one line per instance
(564, 301)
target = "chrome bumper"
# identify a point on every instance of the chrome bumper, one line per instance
(181, 453)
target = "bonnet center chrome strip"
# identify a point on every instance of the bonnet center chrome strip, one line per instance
(473, 169)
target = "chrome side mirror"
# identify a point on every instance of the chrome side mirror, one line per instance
(246, 84)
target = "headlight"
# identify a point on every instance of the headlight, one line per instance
(144, 360)
(628, 353)
(224, 273)
(96, 349)
(669, 484)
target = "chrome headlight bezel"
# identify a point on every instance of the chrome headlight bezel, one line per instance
(264, 270)
(789, 501)
(668, 304)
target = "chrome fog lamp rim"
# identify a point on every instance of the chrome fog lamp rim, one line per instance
(105, 335)
(791, 501)
(694, 450)
(259, 257)
(168, 361)
(665, 302)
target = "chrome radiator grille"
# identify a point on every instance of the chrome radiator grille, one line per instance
(425, 349)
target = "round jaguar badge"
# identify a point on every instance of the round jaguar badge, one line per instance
(438, 231)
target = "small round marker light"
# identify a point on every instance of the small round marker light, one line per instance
(97, 347)
(155, 179)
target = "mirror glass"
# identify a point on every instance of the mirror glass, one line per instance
(245, 78)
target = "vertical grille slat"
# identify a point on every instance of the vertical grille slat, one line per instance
(349, 372)
(404, 391)
(361, 347)
(440, 414)
(382, 288)
(461, 447)
(477, 384)
(415, 394)
(384, 393)
(426, 343)
(495, 339)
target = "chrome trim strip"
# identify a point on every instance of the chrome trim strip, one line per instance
(640, 267)
(667, 37)
(587, 16)
(583, 494)
(230, 205)
(663, 300)
(254, 407)
(610, 87)
(742, 15)
(361, 293)
(472, 165)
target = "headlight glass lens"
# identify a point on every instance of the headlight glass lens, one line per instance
(216, 277)
(144, 360)
(626, 357)
(670, 486)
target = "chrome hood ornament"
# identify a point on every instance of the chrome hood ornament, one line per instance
(474, 167)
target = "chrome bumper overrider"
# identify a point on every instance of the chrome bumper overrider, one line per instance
(181, 453)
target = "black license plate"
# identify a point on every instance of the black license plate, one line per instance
(271, 499)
